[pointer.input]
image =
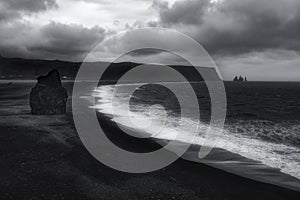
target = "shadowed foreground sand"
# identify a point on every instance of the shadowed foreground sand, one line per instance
(42, 158)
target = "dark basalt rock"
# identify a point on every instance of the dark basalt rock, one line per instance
(48, 97)
(52, 79)
(240, 79)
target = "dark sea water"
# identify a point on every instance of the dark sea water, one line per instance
(262, 124)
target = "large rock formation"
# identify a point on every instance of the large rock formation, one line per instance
(48, 97)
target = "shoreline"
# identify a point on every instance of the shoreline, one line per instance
(235, 179)
(238, 165)
(218, 158)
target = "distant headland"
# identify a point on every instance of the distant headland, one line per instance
(30, 69)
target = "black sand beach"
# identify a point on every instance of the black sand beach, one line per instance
(43, 158)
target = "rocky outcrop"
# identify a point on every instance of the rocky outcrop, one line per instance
(48, 97)
(240, 79)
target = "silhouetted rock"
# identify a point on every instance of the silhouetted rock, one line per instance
(48, 97)
(52, 79)
(241, 79)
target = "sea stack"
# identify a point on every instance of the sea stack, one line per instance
(48, 97)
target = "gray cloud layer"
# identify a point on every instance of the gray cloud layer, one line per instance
(183, 12)
(231, 27)
(67, 40)
(52, 41)
(55, 40)
(11, 9)
(236, 26)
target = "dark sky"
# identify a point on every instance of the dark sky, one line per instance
(257, 38)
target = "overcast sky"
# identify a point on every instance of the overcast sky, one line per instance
(255, 38)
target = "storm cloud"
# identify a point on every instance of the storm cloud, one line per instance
(52, 41)
(183, 12)
(235, 26)
(67, 40)
(11, 9)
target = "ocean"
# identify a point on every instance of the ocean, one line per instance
(260, 138)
